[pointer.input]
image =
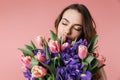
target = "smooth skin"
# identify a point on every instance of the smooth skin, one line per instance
(70, 24)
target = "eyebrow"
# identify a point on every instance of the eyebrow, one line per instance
(66, 19)
(74, 24)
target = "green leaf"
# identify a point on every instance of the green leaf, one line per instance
(33, 62)
(42, 78)
(96, 69)
(89, 59)
(53, 35)
(61, 40)
(56, 61)
(50, 78)
(73, 42)
(94, 63)
(32, 45)
(86, 65)
(45, 44)
(48, 67)
(46, 50)
(47, 53)
(26, 52)
(28, 47)
(51, 68)
(92, 44)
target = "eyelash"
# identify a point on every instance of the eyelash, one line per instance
(73, 27)
(64, 23)
(77, 29)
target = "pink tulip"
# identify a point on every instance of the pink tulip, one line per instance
(39, 41)
(38, 71)
(82, 51)
(54, 46)
(26, 60)
(65, 45)
(40, 57)
(101, 60)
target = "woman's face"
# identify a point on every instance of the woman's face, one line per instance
(70, 25)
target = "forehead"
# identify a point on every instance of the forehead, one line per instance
(73, 16)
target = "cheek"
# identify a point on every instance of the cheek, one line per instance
(60, 31)
(76, 34)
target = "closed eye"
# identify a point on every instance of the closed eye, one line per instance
(64, 24)
(64, 21)
(77, 27)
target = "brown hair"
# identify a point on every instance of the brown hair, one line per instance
(88, 23)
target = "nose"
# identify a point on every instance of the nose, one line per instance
(68, 31)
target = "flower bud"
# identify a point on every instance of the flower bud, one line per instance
(65, 45)
(40, 57)
(82, 51)
(54, 46)
(26, 60)
(39, 41)
(38, 71)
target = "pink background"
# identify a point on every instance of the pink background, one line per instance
(22, 20)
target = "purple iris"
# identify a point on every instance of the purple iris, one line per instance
(39, 50)
(69, 57)
(72, 68)
(68, 40)
(27, 74)
(63, 74)
(69, 72)
(86, 75)
(80, 42)
(43, 53)
(72, 72)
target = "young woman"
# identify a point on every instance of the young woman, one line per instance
(75, 21)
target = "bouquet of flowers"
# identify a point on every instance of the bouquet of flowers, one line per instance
(59, 59)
